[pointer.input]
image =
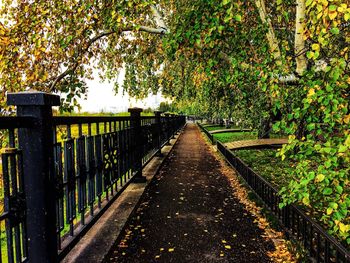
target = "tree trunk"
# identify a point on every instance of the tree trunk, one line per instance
(299, 44)
(271, 37)
(265, 128)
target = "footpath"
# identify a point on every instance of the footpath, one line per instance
(189, 213)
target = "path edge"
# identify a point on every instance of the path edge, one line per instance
(96, 244)
(273, 229)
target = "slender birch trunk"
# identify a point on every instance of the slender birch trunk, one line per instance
(299, 44)
(271, 37)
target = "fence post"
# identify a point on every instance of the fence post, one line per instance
(173, 125)
(168, 127)
(39, 184)
(137, 137)
(159, 132)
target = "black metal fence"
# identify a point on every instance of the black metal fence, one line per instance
(207, 133)
(61, 173)
(321, 246)
(12, 195)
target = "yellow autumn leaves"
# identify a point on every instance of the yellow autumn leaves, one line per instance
(330, 9)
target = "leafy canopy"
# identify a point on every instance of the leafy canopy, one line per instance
(251, 60)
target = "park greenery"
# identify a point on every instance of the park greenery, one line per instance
(281, 64)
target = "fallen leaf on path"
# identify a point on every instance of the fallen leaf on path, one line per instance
(281, 252)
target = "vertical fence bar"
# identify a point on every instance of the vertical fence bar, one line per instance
(137, 142)
(159, 128)
(168, 127)
(173, 125)
(39, 182)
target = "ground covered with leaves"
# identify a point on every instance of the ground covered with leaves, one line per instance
(193, 212)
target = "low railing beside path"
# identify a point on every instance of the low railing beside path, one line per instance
(207, 133)
(61, 173)
(320, 245)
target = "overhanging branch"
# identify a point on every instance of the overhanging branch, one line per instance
(162, 29)
(158, 18)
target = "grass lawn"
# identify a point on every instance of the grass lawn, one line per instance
(263, 161)
(235, 136)
(266, 164)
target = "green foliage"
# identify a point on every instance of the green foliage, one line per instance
(318, 122)
(217, 61)
(55, 45)
(166, 107)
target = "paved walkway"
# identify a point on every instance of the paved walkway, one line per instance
(229, 130)
(255, 143)
(189, 214)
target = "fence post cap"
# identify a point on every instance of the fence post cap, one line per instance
(135, 110)
(32, 97)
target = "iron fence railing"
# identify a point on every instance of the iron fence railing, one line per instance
(60, 174)
(13, 234)
(92, 158)
(320, 245)
(207, 133)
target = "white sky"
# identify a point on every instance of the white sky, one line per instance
(101, 97)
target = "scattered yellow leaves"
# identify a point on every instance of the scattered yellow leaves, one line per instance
(311, 92)
(344, 228)
(320, 177)
(333, 15)
(281, 253)
(315, 47)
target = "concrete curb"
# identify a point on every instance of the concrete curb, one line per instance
(97, 242)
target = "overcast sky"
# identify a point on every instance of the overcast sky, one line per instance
(101, 97)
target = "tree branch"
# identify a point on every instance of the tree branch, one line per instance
(162, 29)
(158, 18)
(289, 79)
(96, 38)
(152, 30)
